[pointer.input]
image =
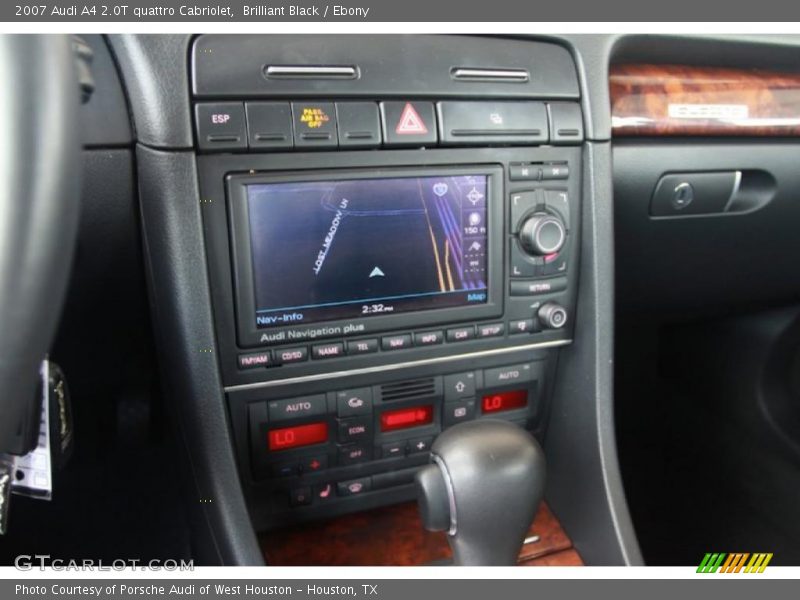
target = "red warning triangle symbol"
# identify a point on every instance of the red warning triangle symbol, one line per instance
(410, 122)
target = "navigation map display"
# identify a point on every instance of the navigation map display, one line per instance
(351, 248)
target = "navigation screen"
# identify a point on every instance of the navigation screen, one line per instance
(327, 250)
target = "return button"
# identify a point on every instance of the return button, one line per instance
(506, 375)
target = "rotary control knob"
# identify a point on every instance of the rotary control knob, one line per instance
(552, 315)
(542, 234)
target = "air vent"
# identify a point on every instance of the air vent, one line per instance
(408, 390)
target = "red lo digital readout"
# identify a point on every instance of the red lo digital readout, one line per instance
(403, 418)
(504, 401)
(297, 436)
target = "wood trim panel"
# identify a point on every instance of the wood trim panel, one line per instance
(394, 536)
(675, 100)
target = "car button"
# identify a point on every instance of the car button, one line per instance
(314, 124)
(359, 124)
(350, 403)
(461, 385)
(221, 126)
(296, 408)
(269, 125)
(507, 375)
(460, 334)
(498, 122)
(408, 123)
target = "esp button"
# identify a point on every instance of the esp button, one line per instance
(221, 126)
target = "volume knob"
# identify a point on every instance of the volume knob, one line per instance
(542, 233)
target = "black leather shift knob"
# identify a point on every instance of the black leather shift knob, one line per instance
(483, 486)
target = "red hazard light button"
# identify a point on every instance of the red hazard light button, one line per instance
(408, 123)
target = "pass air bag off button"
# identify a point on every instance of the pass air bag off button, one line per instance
(308, 406)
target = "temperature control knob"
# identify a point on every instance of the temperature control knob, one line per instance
(552, 315)
(542, 233)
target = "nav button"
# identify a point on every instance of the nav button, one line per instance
(396, 342)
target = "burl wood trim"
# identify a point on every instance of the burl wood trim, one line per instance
(394, 536)
(653, 100)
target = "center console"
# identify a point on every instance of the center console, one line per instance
(392, 246)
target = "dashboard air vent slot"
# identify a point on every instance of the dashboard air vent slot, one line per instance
(408, 390)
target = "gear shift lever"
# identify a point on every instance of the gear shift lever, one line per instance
(483, 488)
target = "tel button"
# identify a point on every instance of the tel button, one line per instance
(283, 410)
